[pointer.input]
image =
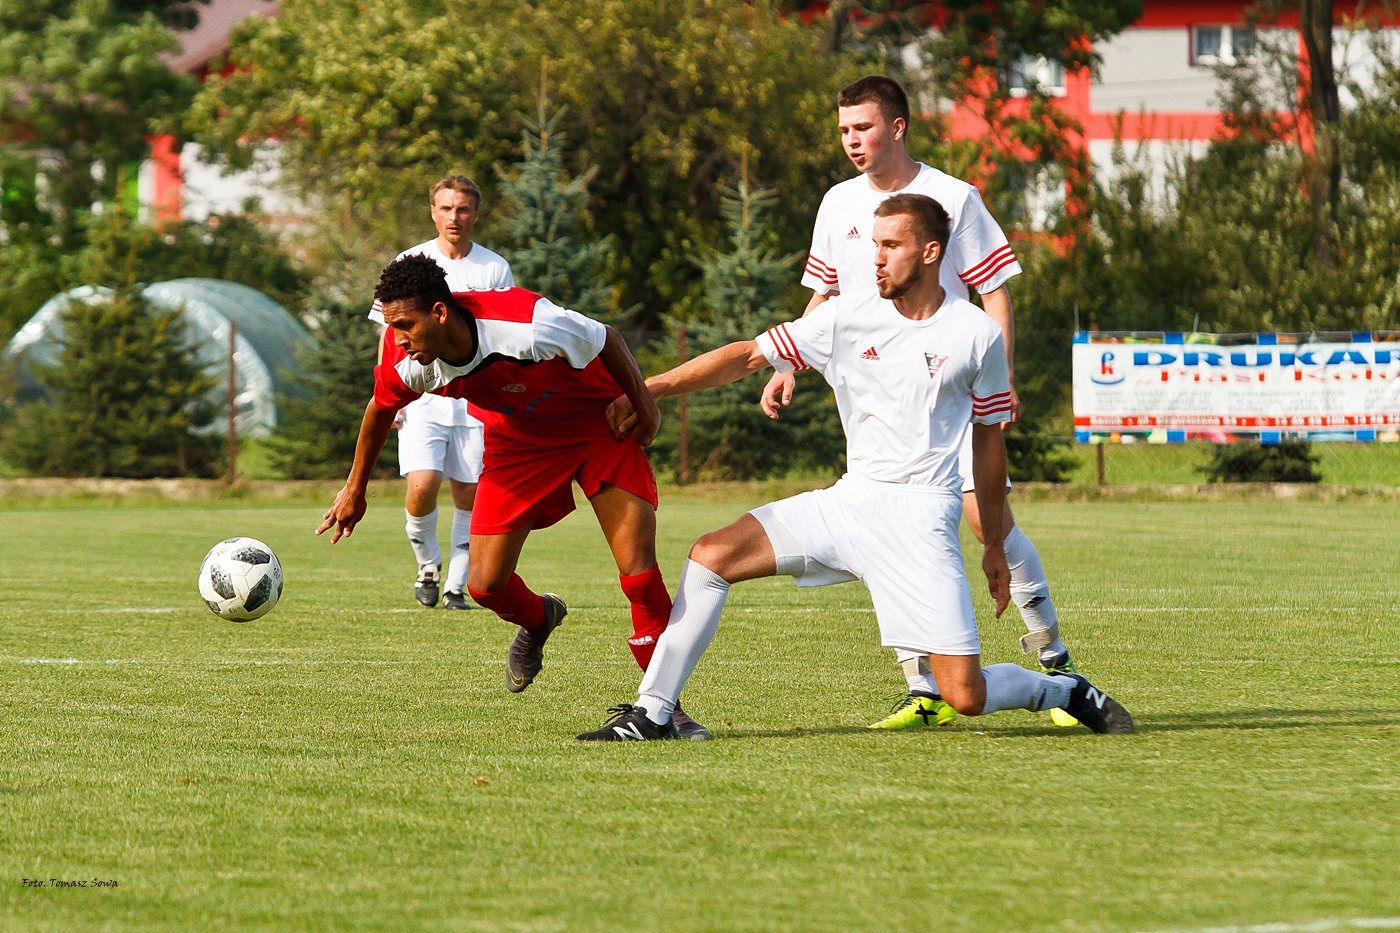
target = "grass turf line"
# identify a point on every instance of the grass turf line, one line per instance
(341, 764)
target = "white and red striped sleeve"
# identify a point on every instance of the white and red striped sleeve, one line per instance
(979, 249)
(820, 272)
(991, 387)
(376, 312)
(801, 344)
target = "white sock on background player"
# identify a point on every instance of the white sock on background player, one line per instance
(1030, 591)
(461, 551)
(1011, 686)
(422, 537)
(700, 597)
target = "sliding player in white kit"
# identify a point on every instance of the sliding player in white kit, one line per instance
(438, 437)
(873, 115)
(911, 365)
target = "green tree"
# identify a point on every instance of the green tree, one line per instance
(545, 221)
(316, 434)
(371, 102)
(128, 397)
(82, 86)
(748, 289)
(660, 95)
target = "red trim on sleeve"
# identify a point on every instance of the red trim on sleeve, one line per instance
(787, 347)
(988, 266)
(818, 269)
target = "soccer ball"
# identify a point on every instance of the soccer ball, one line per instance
(240, 579)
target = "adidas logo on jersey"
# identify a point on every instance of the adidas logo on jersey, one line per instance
(853, 235)
(870, 354)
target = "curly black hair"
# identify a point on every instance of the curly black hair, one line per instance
(415, 278)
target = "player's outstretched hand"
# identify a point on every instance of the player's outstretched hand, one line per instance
(1015, 411)
(998, 576)
(622, 417)
(344, 514)
(781, 385)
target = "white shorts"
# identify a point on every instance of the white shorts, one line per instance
(965, 461)
(455, 452)
(900, 541)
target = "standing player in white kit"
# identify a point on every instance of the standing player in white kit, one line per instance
(911, 366)
(438, 437)
(873, 116)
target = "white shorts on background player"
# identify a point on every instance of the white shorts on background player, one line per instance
(438, 433)
(906, 392)
(455, 451)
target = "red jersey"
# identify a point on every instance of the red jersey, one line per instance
(535, 376)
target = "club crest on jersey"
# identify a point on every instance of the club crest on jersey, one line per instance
(935, 363)
(513, 387)
(853, 235)
(870, 355)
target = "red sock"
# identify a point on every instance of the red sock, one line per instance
(651, 610)
(515, 603)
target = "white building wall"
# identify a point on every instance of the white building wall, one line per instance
(208, 189)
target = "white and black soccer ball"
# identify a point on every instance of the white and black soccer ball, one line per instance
(240, 579)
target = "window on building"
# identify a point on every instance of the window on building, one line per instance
(1033, 74)
(1221, 45)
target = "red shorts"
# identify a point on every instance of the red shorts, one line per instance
(529, 485)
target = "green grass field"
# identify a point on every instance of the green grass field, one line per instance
(350, 763)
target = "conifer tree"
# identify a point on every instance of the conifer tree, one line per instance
(748, 289)
(316, 433)
(545, 219)
(127, 398)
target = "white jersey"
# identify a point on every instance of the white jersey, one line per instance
(843, 250)
(906, 390)
(480, 268)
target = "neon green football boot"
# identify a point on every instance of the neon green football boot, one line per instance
(916, 710)
(1061, 664)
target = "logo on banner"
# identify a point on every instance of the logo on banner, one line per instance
(935, 363)
(1107, 374)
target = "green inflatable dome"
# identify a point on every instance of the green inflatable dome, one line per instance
(265, 345)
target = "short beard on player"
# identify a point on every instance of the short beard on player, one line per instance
(891, 290)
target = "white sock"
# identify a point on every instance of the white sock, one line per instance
(916, 672)
(1030, 591)
(461, 551)
(700, 597)
(422, 537)
(1011, 686)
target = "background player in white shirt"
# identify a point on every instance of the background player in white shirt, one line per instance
(911, 367)
(873, 116)
(437, 436)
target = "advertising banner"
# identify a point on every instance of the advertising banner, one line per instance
(1224, 387)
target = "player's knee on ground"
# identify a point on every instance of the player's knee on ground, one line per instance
(965, 700)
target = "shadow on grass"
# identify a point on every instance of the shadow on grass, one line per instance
(1246, 719)
(1268, 719)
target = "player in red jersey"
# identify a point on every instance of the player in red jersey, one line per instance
(540, 378)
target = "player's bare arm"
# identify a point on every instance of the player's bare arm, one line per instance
(720, 367)
(617, 359)
(997, 304)
(349, 506)
(989, 473)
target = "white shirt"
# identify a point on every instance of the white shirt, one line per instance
(480, 268)
(843, 249)
(905, 389)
